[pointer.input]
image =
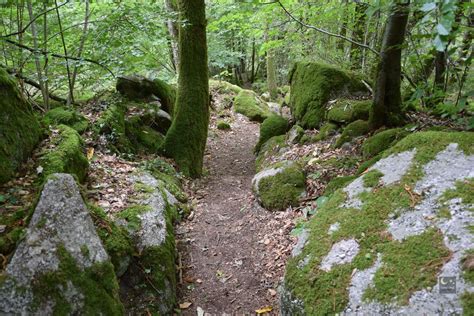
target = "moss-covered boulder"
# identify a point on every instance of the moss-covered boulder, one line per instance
(224, 87)
(347, 111)
(149, 284)
(139, 88)
(313, 85)
(19, 128)
(295, 134)
(279, 186)
(61, 267)
(385, 243)
(354, 129)
(249, 104)
(381, 141)
(274, 125)
(273, 147)
(65, 154)
(66, 116)
(326, 130)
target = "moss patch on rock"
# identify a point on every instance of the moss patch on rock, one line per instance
(371, 179)
(66, 116)
(19, 127)
(354, 129)
(65, 154)
(249, 104)
(313, 85)
(347, 111)
(274, 125)
(325, 131)
(268, 150)
(223, 125)
(97, 284)
(337, 183)
(284, 189)
(381, 141)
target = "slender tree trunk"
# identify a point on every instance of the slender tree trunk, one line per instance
(358, 34)
(186, 138)
(271, 71)
(173, 31)
(71, 89)
(70, 98)
(343, 31)
(252, 69)
(386, 108)
(45, 47)
(41, 79)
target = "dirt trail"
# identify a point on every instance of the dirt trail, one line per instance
(231, 262)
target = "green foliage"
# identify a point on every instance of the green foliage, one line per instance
(65, 155)
(249, 104)
(354, 129)
(19, 128)
(66, 116)
(223, 125)
(274, 125)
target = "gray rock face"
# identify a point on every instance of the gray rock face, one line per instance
(263, 174)
(340, 253)
(61, 219)
(295, 134)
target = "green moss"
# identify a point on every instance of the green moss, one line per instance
(116, 240)
(347, 111)
(372, 178)
(19, 128)
(274, 125)
(354, 129)
(143, 139)
(382, 141)
(421, 258)
(160, 165)
(131, 215)
(167, 95)
(65, 155)
(408, 266)
(224, 87)
(312, 86)
(66, 116)
(269, 149)
(111, 124)
(337, 183)
(467, 301)
(249, 104)
(468, 266)
(223, 125)
(97, 284)
(325, 130)
(283, 189)
(463, 190)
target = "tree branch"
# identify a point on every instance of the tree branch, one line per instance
(23, 30)
(326, 32)
(42, 52)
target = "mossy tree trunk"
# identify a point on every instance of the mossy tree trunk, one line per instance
(386, 109)
(186, 138)
(271, 70)
(360, 20)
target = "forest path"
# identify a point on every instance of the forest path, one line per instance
(229, 257)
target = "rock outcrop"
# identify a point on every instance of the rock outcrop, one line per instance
(19, 131)
(395, 240)
(61, 266)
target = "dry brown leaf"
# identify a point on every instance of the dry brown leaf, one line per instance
(90, 153)
(264, 310)
(185, 305)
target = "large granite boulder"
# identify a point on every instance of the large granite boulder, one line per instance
(61, 266)
(149, 284)
(397, 240)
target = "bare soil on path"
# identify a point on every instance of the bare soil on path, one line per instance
(232, 250)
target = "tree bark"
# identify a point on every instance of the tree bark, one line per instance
(271, 71)
(386, 108)
(186, 138)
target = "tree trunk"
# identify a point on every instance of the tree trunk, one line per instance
(252, 69)
(386, 108)
(173, 31)
(343, 32)
(39, 71)
(186, 138)
(271, 71)
(358, 34)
